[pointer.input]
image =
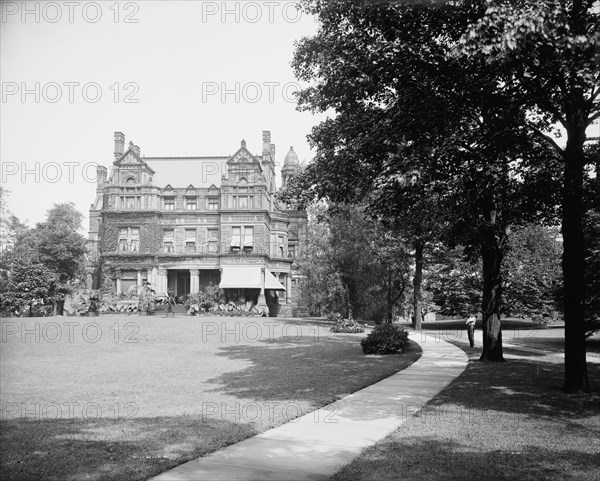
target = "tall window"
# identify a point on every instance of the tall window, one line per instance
(190, 240)
(129, 239)
(236, 239)
(280, 245)
(291, 251)
(248, 239)
(169, 241)
(191, 203)
(131, 202)
(169, 203)
(242, 238)
(213, 203)
(213, 241)
(243, 202)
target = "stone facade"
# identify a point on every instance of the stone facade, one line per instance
(218, 214)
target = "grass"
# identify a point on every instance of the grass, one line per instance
(122, 397)
(496, 422)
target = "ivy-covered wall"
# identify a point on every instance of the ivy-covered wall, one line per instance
(148, 223)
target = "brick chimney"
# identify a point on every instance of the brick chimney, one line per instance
(266, 142)
(134, 148)
(119, 145)
(101, 174)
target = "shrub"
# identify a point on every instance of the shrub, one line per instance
(347, 326)
(334, 317)
(385, 339)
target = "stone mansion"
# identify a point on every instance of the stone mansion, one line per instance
(185, 223)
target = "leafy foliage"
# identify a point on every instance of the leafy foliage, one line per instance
(349, 326)
(203, 301)
(592, 249)
(454, 279)
(532, 277)
(385, 339)
(30, 284)
(352, 264)
(87, 300)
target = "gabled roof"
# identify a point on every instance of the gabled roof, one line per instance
(243, 155)
(131, 157)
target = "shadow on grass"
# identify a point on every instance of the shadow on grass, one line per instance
(497, 421)
(430, 458)
(107, 449)
(530, 384)
(284, 370)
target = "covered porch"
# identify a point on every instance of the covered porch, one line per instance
(259, 285)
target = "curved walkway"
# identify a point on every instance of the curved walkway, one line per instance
(316, 445)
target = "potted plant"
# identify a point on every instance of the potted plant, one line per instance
(170, 304)
(87, 302)
(146, 301)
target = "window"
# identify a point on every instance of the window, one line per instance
(236, 239)
(213, 241)
(168, 241)
(190, 240)
(244, 202)
(242, 238)
(280, 244)
(292, 251)
(248, 236)
(191, 203)
(213, 203)
(169, 203)
(130, 202)
(129, 239)
(248, 239)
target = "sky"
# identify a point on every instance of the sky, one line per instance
(178, 78)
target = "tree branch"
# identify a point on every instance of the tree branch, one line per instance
(547, 139)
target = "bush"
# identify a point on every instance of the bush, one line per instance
(385, 339)
(347, 326)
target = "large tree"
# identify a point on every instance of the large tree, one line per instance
(549, 52)
(60, 245)
(389, 74)
(55, 244)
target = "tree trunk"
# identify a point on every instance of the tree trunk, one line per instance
(492, 252)
(573, 262)
(390, 306)
(418, 279)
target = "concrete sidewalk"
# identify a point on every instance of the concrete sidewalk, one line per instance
(319, 443)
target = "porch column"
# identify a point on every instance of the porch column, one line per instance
(151, 278)
(288, 287)
(119, 286)
(194, 281)
(162, 281)
(262, 301)
(139, 282)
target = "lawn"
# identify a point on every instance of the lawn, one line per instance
(495, 422)
(124, 397)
